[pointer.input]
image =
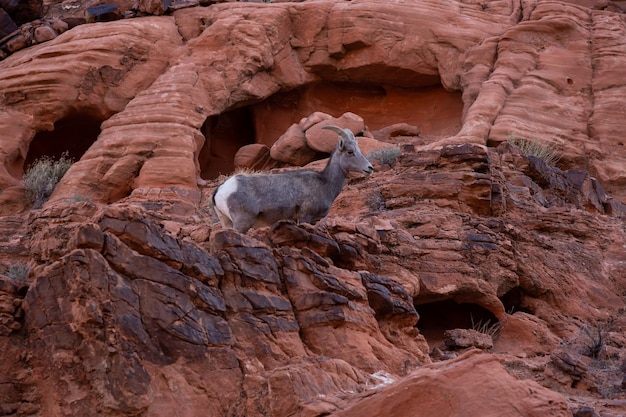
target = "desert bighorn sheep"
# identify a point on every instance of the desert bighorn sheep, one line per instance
(247, 200)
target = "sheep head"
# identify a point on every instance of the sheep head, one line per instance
(348, 152)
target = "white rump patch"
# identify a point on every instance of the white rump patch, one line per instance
(223, 193)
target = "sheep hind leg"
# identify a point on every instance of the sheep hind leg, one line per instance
(225, 221)
(243, 222)
(223, 218)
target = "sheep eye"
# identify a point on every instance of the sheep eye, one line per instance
(350, 152)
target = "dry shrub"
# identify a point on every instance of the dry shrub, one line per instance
(544, 151)
(42, 177)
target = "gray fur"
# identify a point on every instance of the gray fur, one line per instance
(253, 200)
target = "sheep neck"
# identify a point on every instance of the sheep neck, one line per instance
(334, 175)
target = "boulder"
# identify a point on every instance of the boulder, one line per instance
(467, 338)
(323, 140)
(7, 25)
(103, 13)
(473, 384)
(292, 148)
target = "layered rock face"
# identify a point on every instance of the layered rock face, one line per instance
(461, 277)
(210, 80)
(153, 309)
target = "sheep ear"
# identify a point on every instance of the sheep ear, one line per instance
(341, 143)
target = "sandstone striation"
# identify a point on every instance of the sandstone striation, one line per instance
(292, 319)
(536, 70)
(434, 390)
(132, 300)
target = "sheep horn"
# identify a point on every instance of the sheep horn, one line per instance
(344, 133)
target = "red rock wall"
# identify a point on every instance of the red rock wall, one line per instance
(540, 70)
(139, 303)
(147, 307)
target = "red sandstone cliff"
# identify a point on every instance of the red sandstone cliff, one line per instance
(139, 303)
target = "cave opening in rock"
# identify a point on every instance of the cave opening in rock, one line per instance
(72, 134)
(434, 110)
(224, 134)
(516, 300)
(437, 317)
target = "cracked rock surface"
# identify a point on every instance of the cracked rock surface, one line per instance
(463, 275)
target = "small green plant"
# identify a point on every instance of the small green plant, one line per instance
(42, 176)
(545, 151)
(17, 272)
(385, 156)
